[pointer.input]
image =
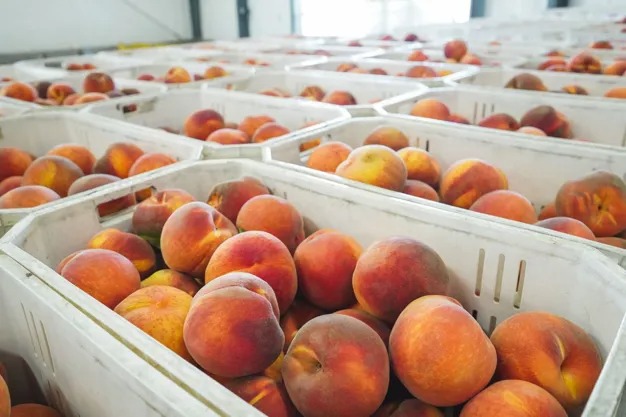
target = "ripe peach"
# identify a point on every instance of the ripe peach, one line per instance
(298, 314)
(420, 189)
(467, 180)
(159, 311)
(551, 62)
(149, 162)
(548, 351)
(58, 92)
(191, 235)
(214, 72)
(378, 71)
(227, 136)
(598, 200)
(417, 55)
(105, 275)
(471, 59)
(151, 214)
(265, 394)
(500, 121)
(274, 92)
(171, 278)
(457, 118)
(575, 89)
(10, 183)
(513, 398)
(88, 98)
(375, 324)
(19, 91)
(262, 255)
(55, 172)
(313, 92)
(547, 212)
(557, 68)
(118, 159)
(613, 241)
(131, 246)
(251, 124)
(27, 196)
(529, 130)
(244, 305)
(616, 92)
(269, 131)
(455, 49)
(567, 225)
(420, 165)
(228, 197)
(177, 75)
(345, 67)
(617, 68)
(388, 136)
(89, 182)
(348, 378)
(548, 120)
(586, 63)
(431, 108)
(439, 352)
(13, 162)
(325, 262)
(5, 398)
(146, 77)
(375, 165)
(98, 82)
(421, 71)
(408, 408)
(78, 154)
(33, 410)
(526, 81)
(408, 269)
(358, 71)
(327, 156)
(274, 215)
(601, 45)
(340, 98)
(507, 205)
(201, 124)
(71, 99)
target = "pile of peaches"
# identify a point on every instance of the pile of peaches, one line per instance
(584, 63)
(317, 93)
(320, 326)
(7, 409)
(417, 71)
(455, 51)
(180, 75)
(97, 86)
(254, 62)
(67, 169)
(526, 81)
(592, 207)
(76, 66)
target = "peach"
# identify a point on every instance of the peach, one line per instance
(325, 262)
(73, 66)
(530, 130)
(10, 183)
(313, 92)
(27, 196)
(411, 37)
(105, 275)
(13, 162)
(340, 98)
(575, 89)
(251, 124)
(470, 59)
(395, 271)
(586, 63)
(618, 242)
(227, 136)
(19, 91)
(269, 131)
(171, 278)
(440, 353)
(548, 120)
(71, 99)
(200, 124)
(420, 189)
(513, 398)
(78, 154)
(551, 62)
(430, 108)
(89, 182)
(547, 212)
(358, 71)
(375, 324)
(159, 311)
(33, 410)
(58, 92)
(420, 165)
(5, 399)
(346, 378)
(417, 55)
(55, 172)
(421, 71)
(378, 71)
(597, 199)
(262, 255)
(548, 351)
(507, 205)
(467, 180)
(274, 92)
(457, 118)
(455, 49)
(177, 75)
(88, 98)
(408, 408)
(616, 92)
(327, 156)
(265, 394)
(228, 197)
(131, 246)
(214, 72)
(297, 316)
(374, 165)
(387, 136)
(526, 81)
(146, 77)
(567, 225)
(149, 162)
(601, 45)
(617, 68)
(191, 235)
(246, 306)
(98, 82)
(274, 215)
(345, 67)
(557, 68)
(118, 159)
(500, 121)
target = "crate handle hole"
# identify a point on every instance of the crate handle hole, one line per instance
(479, 272)
(498, 290)
(519, 287)
(492, 324)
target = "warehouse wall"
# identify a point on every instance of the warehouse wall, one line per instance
(514, 8)
(598, 3)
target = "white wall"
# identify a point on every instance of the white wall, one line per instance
(270, 17)
(514, 8)
(598, 3)
(219, 19)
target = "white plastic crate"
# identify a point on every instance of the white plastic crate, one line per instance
(158, 54)
(604, 54)
(172, 108)
(435, 55)
(495, 270)
(331, 50)
(392, 68)
(39, 132)
(243, 44)
(375, 43)
(364, 91)
(259, 60)
(535, 169)
(501, 47)
(600, 121)
(10, 72)
(596, 85)
(9, 107)
(41, 67)
(533, 64)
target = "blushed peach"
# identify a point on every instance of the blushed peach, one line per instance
(417, 55)
(547, 212)
(251, 124)
(269, 131)
(274, 92)
(617, 68)
(457, 118)
(227, 136)
(339, 97)
(5, 398)
(616, 92)
(88, 98)
(71, 99)
(500, 121)
(9, 184)
(421, 165)
(549, 120)
(358, 71)
(601, 45)
(374, 165)
(567, 225)
(613, 241)
(526, 81)
(327, 156)
(575, 89)
(345, 67)
(299, 313)
(228, 197)
(467, 180)
(408, 408)
(421, 71)
(58, 92)
(33, 410)
(171, 278)
(507, 205)
(19, 91)
(420, 189)
(378, 71)
(455, 49)
(313, 92)
(146, 77)
(89, 182)
(55, 172)
(131, 246)
(430, 108)
(200, 124)
(375, 324)
(177, 75)
(13, 162)
(78, 154)
(388, 136)
(553, 61)
(214, 72)
(27, 196)
(146, 163)
(530, 130)
(98, 82)
(266, 395)
(585, 63)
